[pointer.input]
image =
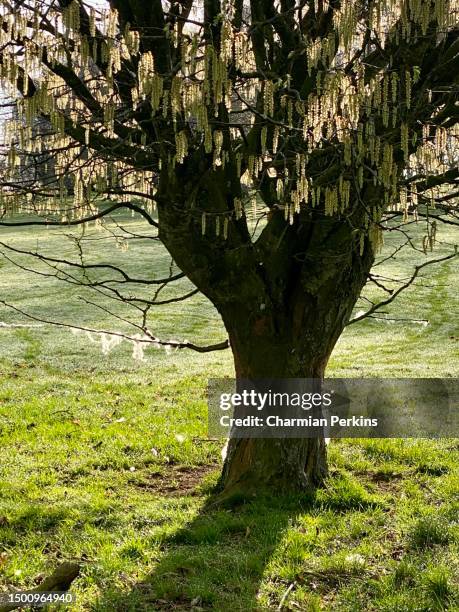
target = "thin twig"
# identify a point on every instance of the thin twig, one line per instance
(285, 595)
(402, 288)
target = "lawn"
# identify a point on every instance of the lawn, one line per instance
(104, 458)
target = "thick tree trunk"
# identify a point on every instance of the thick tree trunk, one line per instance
(284, 300)
(280, 465)
(282, 340)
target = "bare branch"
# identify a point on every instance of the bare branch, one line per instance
(150, 339)
(94, 217)
(402, 288)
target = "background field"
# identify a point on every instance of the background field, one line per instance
(104, 458)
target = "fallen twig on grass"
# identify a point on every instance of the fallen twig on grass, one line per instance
(59, 581)
(285, 595)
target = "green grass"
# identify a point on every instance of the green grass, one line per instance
(104, 459)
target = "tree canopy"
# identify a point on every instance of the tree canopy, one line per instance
(308, 104)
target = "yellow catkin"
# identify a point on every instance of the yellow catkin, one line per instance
(203, 223)
(404, 136)
(345, 108)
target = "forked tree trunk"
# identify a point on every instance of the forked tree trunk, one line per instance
(284, 302)
(280, 343)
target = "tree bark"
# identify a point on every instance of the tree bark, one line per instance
(280, 465)
(285, 300)
(290, 338)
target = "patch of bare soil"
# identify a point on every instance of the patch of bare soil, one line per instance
(385, 482)
(176, 480)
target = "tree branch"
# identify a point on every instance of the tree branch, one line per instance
(402, 288)
(94, 217)
(150, 339)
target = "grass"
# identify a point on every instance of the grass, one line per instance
(104, 459)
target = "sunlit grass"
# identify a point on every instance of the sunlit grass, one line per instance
(104, 460)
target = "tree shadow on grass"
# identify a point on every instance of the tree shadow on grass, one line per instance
(218, 560)
(215, 562)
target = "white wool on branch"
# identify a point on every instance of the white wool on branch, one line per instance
(140, 342)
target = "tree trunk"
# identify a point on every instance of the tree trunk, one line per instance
(280, 465)
(284, 300)
(281, 340)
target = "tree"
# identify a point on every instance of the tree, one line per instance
(329, 116)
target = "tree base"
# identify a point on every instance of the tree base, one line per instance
(274, 466)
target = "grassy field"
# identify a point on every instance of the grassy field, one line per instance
(104, 458)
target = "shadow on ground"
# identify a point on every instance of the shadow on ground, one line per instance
(215, 562)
